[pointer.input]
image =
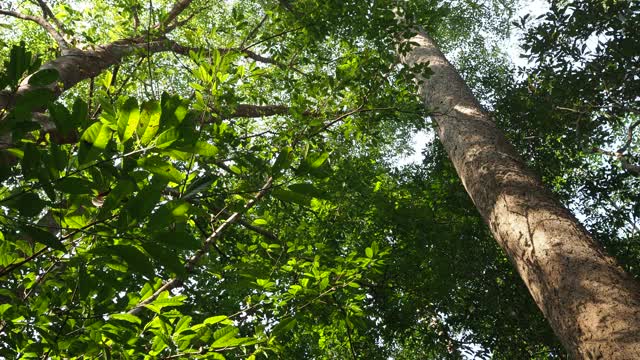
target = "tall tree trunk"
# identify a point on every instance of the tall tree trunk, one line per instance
(591, 303)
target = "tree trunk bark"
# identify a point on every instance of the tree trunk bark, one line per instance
(591, 303)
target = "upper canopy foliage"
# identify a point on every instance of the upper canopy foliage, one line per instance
(198, 179)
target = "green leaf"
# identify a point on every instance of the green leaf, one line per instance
(135, 259)
(74, 185)
(199, 185)
(284, 326)
(180, 240)
(290, 196)
(149, 121)
(43, 237)
(225, 333)
(205, 149)
(165, 301)
(44, 77)
(282, 161)
(34, 99)
(59, 156)
(146, 199)
(28, 204)
(31, 161)
(128, 117)
(218, 319)
(174, 110)
(259, 222)
(108, 78)
(306, 189)
(4, 308)
(233, 342)
(126, 317)
(319, 160)
(80, 113)
(164, 169)
(165, 257)
(183, 324)
(167, 138)
(61, 117)
(123, 189)
(93, 141)
(170, 213)
(369, 252)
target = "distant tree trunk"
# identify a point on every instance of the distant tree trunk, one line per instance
(591, 303)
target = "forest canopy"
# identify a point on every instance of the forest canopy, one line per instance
(223, 179)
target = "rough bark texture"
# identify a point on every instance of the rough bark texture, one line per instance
(76, 65)
(591, 303)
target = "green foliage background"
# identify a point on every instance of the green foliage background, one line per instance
(292, 234)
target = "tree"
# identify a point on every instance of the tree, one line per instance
(186, 180)
(555, 256)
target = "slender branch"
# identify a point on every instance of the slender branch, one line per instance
(253, 32)
(620, 153)
(629, 136)
(177, 9)
(62, 43)
(177, 24)
(571, 110)
(46, 11)
(210, 241)
(340, 118)
(346, 318)
(10, 268)
(264, 232)
(282, 33)
(170, 45)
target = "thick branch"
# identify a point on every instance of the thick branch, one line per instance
(632, 168)
(251, 111)
(62, 43)
(76, 65)
(210, 241)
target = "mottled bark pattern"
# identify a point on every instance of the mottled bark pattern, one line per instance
(590, 302)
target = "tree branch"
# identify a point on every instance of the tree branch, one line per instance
(59, 39)
(75, 65)
(252, 111)
(629, 136)
(177, 9)
(46, 12)
(258, 230)
(210, 241)
(620, 153)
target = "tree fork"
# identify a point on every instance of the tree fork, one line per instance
(592, 304)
